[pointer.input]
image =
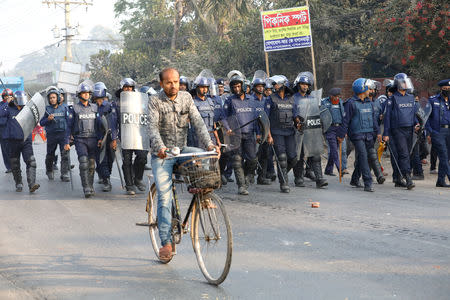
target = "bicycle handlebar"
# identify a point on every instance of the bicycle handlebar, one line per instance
(193, 154)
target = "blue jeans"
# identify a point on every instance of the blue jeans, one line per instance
(162, 173)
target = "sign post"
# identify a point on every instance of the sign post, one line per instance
(286, 29)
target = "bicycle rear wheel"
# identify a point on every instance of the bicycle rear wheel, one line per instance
(212, 238)
(152, 208)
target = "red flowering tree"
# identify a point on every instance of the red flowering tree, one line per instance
(413, 36)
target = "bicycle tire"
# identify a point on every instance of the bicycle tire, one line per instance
(211, 227)
(152, 220)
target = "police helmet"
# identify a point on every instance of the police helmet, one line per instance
(202, 81)
(127, 82)
(57, 93)
(184, 80)
(20, 98)
(220, 81)
(99, 90)
(7, 92)
(403, 82)
(359, 86)
(84, 88)
(147, 90)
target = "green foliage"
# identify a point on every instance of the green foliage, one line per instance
(226, 35)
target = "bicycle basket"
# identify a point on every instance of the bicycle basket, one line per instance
(201, 172)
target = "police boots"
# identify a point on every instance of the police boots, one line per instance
(84, 175)
(317, 169)
(65, 166)
(49, 160)
(31, 175)
(298, 174)
(375, 166)
(139, 167)
(239, 174)
(283, 174)
(409, 183)
(91, 173)
(249, 171)
(106, 185)
(309, 173)
(17, 173)
(262, 173)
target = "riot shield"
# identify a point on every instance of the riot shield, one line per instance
(233, 141)
(259, 74)
(325, 118)
(134, 121)
(422, 115)
(30, 115)
(264, 126)
(312, 138)
(235, 72)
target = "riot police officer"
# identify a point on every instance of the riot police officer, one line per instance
(184, 84)
(84, 125)
(438, 127)
(206, 107)
(306, 107)
(241, 106)
(361, 126)
(336, 107)
(265, 154)
(18, 144)
(7, 97)
(133, 171)
(55, 123)
(281, 116)
(400, 122)
(108, 111)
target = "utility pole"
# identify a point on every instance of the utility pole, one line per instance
(70, 31)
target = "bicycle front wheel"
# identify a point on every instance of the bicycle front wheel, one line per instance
(212, 238)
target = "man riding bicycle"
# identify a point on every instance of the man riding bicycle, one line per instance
(170, 112)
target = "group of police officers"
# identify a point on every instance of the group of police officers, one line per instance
(256, 124)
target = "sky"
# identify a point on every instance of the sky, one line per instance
(26, 25)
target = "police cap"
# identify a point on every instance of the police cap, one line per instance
(445, 82)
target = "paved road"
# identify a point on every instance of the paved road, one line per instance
(391, 244)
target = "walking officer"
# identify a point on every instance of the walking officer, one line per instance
(336, 107)
(400, 121)
(361, 126)
(242, 107)
(265, 154)
(18, 144)
(281, 116)
(108, 111)
(84, 125)
(133, 170)
(308, 120)
(55, 123)
(438, 126)
(7, 97)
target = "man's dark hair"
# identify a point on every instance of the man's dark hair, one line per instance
(164, 71)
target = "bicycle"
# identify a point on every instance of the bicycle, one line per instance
(210, 226)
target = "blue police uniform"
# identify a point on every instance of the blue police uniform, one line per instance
(416, 164)
(104, 168)
(56, 135)
(84, 125)
(13, 135)
(208, 111)
(399, 123)
(337, 113)
(361, 126)
(265, 153)
(438, 127)
(4, 145)
(281, 116)
(244, 160)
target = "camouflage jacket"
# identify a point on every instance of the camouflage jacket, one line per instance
(169, 121)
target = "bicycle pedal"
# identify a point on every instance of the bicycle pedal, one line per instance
(146, 224)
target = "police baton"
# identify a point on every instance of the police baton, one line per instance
(278, 163)
(395, 160)
(242, 126)
(70, 169)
